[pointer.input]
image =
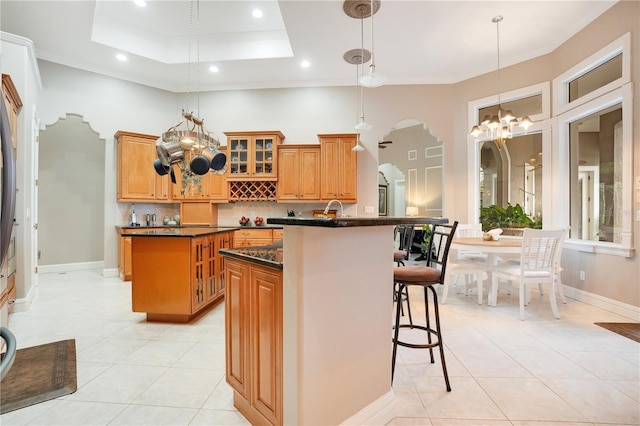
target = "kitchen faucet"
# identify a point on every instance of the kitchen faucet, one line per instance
(326, 209)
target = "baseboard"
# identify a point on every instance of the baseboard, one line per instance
(110, 272)
(379, 412)
(24, 303)
(610, 305)
(69, 267)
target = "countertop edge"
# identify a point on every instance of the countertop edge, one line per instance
(336, 222)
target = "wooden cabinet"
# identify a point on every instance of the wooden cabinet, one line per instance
(298, 173)
(252, 237)
(339, 167)
(14, 105)
(210, 187)
(253, 155)
(222, 241)
(253, 325)
(124, 255)
(174, 278)
(198, 213)
(137, 179)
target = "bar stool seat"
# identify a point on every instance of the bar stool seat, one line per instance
(427, 277)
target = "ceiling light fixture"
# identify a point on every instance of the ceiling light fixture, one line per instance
(213, 68)
(257, 13)
(140, 3)
(305, 64)
(194, 149)
(373, 79)
(499, 127)
(121, 57)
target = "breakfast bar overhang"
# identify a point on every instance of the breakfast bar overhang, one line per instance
(337, 316)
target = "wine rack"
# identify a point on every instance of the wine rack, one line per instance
(252, 190)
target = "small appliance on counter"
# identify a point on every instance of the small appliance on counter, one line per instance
(134, 222)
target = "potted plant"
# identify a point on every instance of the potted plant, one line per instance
(511, 219)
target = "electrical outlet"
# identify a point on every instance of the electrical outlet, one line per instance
(368, 209)
(581, 275)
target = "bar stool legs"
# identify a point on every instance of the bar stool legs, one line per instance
(434, 336)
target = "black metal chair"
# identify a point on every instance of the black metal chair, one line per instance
(426, 277)
(399, 256)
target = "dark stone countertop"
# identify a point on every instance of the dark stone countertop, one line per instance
(155, 227)
(189, 232)
(269, 255)
(335, 222)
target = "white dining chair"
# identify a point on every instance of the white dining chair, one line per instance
(469, 264)
(537, 266)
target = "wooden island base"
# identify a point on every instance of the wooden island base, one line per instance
(177, 274)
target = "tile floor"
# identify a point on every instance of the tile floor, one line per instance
(503, 371)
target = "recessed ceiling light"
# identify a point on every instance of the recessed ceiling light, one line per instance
(140, 3)
(305, 64)
(257, 13)
(213, 68)
(121, 57)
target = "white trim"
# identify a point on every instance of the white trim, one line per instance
(560, 215)
(540, 124)
(609, 305)
(561, 102)
(110, 272)
(412, 155)
(24, 303)
(28, 44)
(379, 412)
(68, 267)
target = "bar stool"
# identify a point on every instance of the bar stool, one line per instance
(426, 277)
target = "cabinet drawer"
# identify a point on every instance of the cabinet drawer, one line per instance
(253, 233)
(278, 234)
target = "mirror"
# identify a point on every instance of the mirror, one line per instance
(411, 161)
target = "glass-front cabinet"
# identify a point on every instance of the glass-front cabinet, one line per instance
(253, 155)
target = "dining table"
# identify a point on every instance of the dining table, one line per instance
(506, 247)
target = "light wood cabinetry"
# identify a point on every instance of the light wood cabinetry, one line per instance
(253, 237)
(124, 255)
(253, 155)
(14, 105)
(339, 167)
(198, 213)
(298, 173)
(12, 100)
(210, 187)
(137, 180)
(253, 336)
(174, 278)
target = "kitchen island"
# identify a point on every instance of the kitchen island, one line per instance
(177, 272)
(328, 311)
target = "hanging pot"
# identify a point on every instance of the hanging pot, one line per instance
(160, 168)
(169, 152)
(218, 161)
(200, 163)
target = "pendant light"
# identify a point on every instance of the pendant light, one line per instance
(499, 127)
(373, 79)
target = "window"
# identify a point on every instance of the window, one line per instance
(594, 151)
(512, 174)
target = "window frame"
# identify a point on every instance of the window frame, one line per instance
(541, 124)
(618, 91)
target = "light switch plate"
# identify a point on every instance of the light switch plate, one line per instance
(368, 209)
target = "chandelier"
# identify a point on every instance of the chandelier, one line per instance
(187, 143)
(499, 127)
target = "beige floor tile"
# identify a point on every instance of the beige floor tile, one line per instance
(181, 387)
(152, 415)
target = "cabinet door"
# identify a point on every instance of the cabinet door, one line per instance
(288, 173)
(195, 188)
(309, 188)
(264, 156)
(339, 167)
(223, 241)
(266, 342)
(199, 272)
(236, 310)
(238, 148)
(347, 170)
(212, 289)
(218, 188)
(136, 176)
(329, 166)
